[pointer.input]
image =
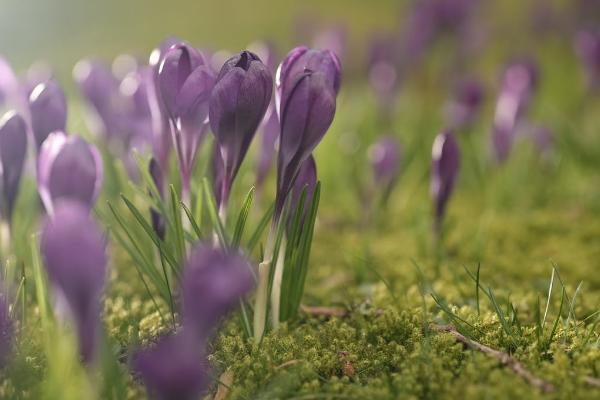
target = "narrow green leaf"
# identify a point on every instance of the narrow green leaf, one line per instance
(177, 225)
(260, 228)
(242, 218)
(214, 214)
(195, 226)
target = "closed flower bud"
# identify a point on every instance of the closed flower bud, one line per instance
(68, 168)
(238, 104)
(444, 170)
(385, 157)
(48, 108)
(73, 249)
(13, 149)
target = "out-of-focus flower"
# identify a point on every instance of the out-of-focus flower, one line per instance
(158, 222)
(518, 86)
(464, 108)
(6, 330)
(307, 178)
(11, 95)
(68, 168)
(13, 149)
(383, 69)
(212, 284)
(237, 106)
(48, 108)
(385, 157)
(74, 254)
(185, 83)
(174, 368)
(445, 164)
(308, 82)
(542, 138)
(588, 48)
(334, 39)
(38, 72)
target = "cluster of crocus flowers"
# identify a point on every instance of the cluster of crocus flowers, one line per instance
(74, 253)
(445, 163)
(68, 168)
(212, 284)
(517, 88)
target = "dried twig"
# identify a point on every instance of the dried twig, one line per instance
(595, 382)
(325, 311)
(503, 358)
(225, 382)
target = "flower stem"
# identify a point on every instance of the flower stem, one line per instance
(262, 295)
(276, 288)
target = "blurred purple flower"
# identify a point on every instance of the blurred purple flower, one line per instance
(74, 253)
(308, 82)
(517, 88)
(13, 149)
(158, 222)
(307, 178)
(268, 143)
(383, 69)
(237, 106)
(174, 369)
(185, 83)
(444, 170)
(48, 108)
(334, 39)
(466, 104)
(588, 48)
(68, 168)
(38, 72)
(6, 330)
(212, 284)
(385, 157)
(542, 138)
(11, 94)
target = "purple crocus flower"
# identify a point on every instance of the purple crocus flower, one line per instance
(466, 104)
(174, 368)
(383, 69)
(518, 86)
(68, 168)
(385, 157)
(74, 254)
(48, 108)
(588, 48)
(158, 222)
(237, 106)
(185, 83)
(212, 284)
(445, 164)
(13, 149)
(6, 330)
(268, 144)
(308, 82)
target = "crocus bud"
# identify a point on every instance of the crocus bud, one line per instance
(48, 108)
(238, 104)
(68, 168)
(302, 59)
(445, 164)
(173, 369)
(588, 48)
(306, 114)
(307, 178)
(6, 330)
(466, 104)
(13, 149)
(518, 85)
(185, 83)
(158, 222)
(212, 284)
(385, 157)
(73, 249)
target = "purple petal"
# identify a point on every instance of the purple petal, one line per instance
(385, 157)
(444, 170)
(13, 149)
(48, 108)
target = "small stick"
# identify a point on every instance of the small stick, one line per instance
(503, 358)
(325, 311)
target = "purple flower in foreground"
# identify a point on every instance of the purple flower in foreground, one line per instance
(68, 168)
(307, 178)
(308, 82)
(48, 108)
(213, 281)
(174, 368)
(185, 82)
(237, 106)
(6, 330)
(158, 222)
(445, 164)
(588, 48)
(74, 253)
(466, 104)
(518, 86)
(385, 157)
(13, 149)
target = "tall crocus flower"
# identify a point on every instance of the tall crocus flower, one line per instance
(74, 254)
(445, 164)
(6, 330)
(68, 168)
(13, 149)
(466, 104)
(237, 106)
(185, 83)
(48, 108)
(518, 86)
(385, 157)
(588, 49)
